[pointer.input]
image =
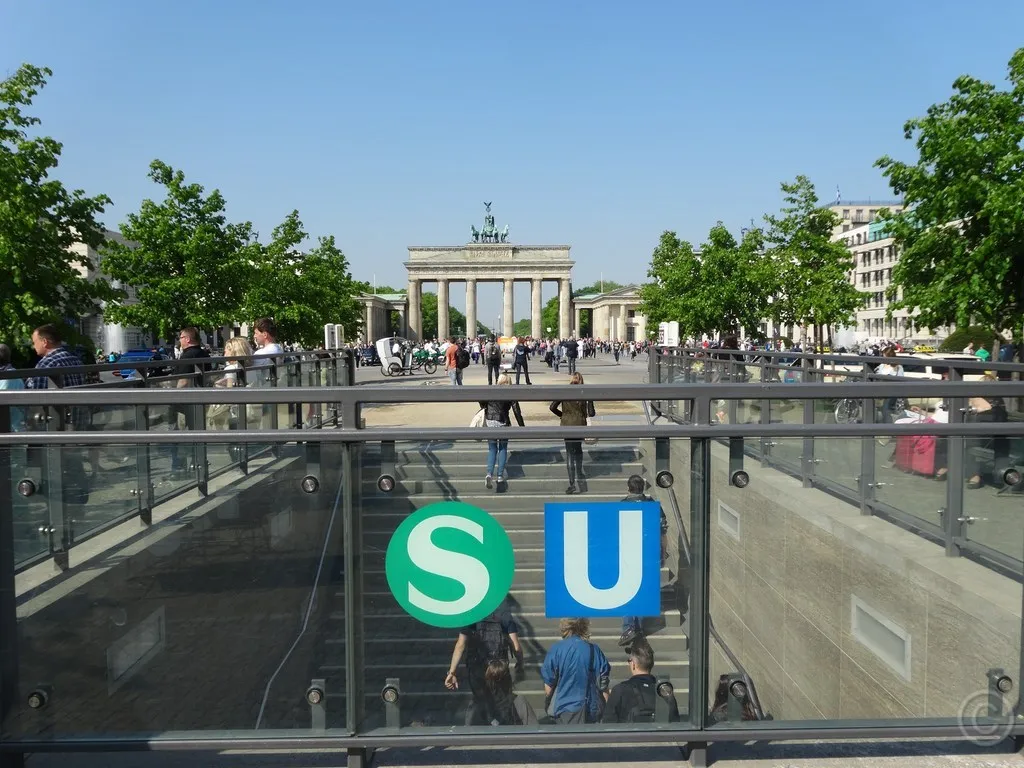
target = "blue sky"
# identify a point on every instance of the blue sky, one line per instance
(593, 124)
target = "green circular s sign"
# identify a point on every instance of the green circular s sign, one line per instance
(450, 564)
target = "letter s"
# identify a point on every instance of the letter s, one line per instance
(458, 566)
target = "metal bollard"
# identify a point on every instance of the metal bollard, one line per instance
(316, 697)
(998, 684)
(663, 687)
(391, 695)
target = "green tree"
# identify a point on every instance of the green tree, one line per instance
(302, 291)
(522, 327)
(674, 271)
(810, 272)
(41, 280)
(734, 283)
(961, 235)
(602, 286)
(187, 264)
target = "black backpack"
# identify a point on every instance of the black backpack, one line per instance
(462, 358)
(489, 642)
(493, 353)
(644, 703)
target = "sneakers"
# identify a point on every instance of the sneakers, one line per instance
(629, 636)
(502, 478)
(571, 489)
(489, 481)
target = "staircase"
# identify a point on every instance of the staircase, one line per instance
(399, 646)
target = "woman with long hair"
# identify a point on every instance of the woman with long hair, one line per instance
(574, 413)
(496, 416)
(508, 708)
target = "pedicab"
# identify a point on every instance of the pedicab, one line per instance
(390, 363)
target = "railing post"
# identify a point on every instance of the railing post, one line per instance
(732, 406)
(866, 485)
(953, 524)
(807, 452)
(58, 523)
(700, 504)
(275, 449)
(8, 604)
(143, 467)
(353, 548)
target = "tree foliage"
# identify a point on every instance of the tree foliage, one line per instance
(961, 235)
(810, 272)
(978, 335)
(674, 271)
(716, 290)
(40, 279)
(302, 291)
(188, 265)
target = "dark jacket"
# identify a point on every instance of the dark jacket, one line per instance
(573, 413)
(498, 410)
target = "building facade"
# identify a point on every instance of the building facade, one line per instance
(614, 315)
(110, 337)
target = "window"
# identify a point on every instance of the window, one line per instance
(872, 212)
(631, 314)
(886, 639)
(860, 214)
(846, 227)
(846, 213)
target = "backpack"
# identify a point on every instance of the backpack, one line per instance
(644, 703)
(488, 642)
(462, 358)
(493, 353)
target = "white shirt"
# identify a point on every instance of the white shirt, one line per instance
(272, 349)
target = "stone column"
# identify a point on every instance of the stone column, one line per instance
(443, 332)
(415, 312)
(403, 323)
(370, 330)
(564, 300)
(470, 309)
(535, 311)
(507, 321)
(577, 315)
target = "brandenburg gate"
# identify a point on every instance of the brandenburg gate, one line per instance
(489, 257)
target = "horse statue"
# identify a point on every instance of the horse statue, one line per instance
(475, 232)
(503, 235)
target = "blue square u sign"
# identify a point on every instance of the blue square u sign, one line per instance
(602, 559)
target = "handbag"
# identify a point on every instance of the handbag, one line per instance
(479, 420)
(590, 440)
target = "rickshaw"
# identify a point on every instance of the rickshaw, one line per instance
(390, 363)
(427, 360)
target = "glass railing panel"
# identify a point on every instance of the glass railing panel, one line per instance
(105, 478)
(993, 492)
(29, 512)
(841, 617)
(416, 602)
(218, 616)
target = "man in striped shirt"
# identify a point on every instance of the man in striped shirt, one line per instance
(53, 354)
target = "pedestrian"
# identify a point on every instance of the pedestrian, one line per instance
(493, 638)
(635, 700)
(574, 413)
(496, 416)
(508, 707)
(451, 363)
(575, 674)
(520, 363)
(632, 627)
(492, 351)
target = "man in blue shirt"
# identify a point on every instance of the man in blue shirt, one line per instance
(575, 674)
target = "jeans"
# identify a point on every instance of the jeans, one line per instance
(493, 369)
(522, 368)
(455, 375)
(497, 451)
(572, 365)
(574, 460)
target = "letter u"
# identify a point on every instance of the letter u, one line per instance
(577, 560)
